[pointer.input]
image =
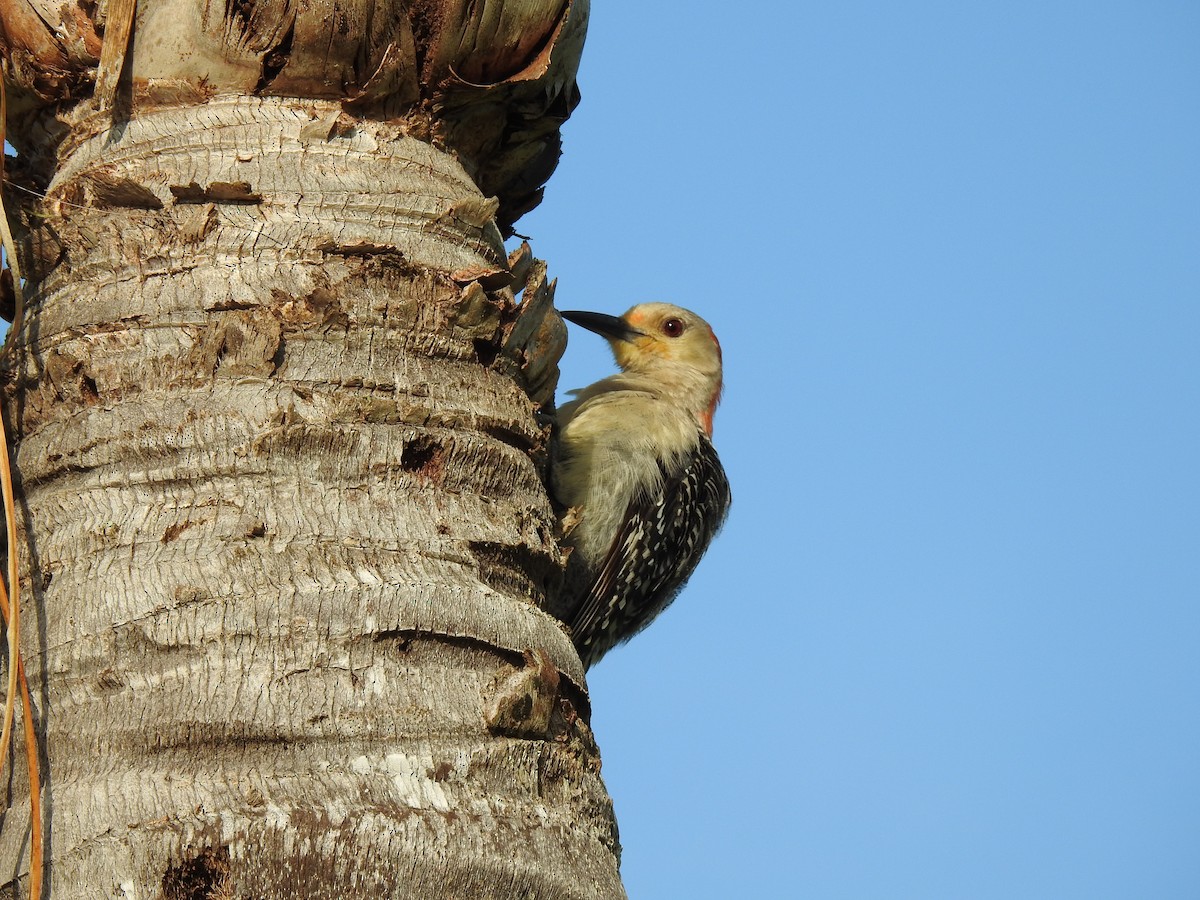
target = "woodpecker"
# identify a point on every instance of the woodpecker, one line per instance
(633, 455)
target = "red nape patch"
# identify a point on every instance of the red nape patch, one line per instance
(706, 417)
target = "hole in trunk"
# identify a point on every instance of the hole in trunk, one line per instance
(486, 351)
(423, 455)
(201, 878)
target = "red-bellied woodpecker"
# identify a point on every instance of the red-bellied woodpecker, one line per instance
(633, 456)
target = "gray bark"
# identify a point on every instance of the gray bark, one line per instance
(287, 534)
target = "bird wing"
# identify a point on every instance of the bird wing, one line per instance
(656, 548)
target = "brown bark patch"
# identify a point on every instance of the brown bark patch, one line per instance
(424, 456)
(109, 190)
(217, 192)
(204, 877)
(319, 309)
(175, 530)
(195, 223)
(71, 380)
(525, 699)
(240, 343)
(275, 59)
(109, 681)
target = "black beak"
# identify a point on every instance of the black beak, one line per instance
(610, 327)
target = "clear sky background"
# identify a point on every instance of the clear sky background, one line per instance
(948, 645)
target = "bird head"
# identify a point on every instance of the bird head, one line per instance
(668, 343)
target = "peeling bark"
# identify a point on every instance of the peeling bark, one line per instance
(274, 402)
(492, 82)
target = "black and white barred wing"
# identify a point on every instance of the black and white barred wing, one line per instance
(658, 546)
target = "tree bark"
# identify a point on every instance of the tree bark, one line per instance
(287, 536)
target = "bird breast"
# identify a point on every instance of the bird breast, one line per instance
(611, 445)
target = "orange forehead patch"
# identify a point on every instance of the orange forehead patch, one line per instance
(635, 317)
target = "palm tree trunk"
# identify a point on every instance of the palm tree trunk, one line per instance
(288, 540)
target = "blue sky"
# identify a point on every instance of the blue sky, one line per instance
(948, 645)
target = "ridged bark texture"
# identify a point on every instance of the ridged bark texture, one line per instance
(288, 530)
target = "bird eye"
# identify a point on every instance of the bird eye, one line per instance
(672, 327)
